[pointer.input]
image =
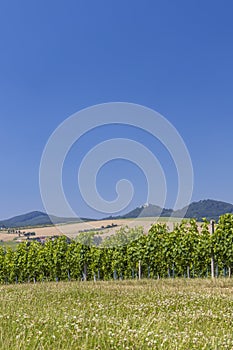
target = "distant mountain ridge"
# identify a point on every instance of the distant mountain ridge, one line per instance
(37, 218)
(210, 209)
(149, 210)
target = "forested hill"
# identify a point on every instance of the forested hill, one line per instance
(36, 218)
(210, 209)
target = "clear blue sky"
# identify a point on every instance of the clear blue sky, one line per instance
(57, 57)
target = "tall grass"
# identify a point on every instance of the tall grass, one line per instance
(146, 314)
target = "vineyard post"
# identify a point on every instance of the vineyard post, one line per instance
(212, 254)
(85, 272)
(139, 270)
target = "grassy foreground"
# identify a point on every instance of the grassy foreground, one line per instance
(163, 314)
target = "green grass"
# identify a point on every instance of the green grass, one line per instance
(9, 244)
(163, 314)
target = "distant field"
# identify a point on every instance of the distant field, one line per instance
(5, 236)
(72, 229)
(148, 314)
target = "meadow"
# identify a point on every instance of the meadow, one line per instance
(129, 314)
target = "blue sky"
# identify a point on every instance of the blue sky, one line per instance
(58, 57)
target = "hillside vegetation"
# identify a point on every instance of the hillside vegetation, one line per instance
(209, 209)
(36, 218)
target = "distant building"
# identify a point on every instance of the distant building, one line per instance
(145, 205)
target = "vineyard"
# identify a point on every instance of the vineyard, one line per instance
(185, 251)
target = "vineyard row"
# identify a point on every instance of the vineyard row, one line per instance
(186, 251)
